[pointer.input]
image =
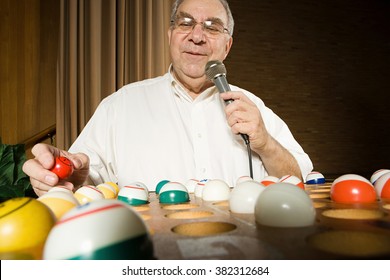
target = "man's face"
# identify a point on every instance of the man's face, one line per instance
(191, 51)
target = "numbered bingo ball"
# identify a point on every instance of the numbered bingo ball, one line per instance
(99, 230)
(315, 178)
(292, 180)
(284, 205)
(24, 226)
(133, 195)
(63, 167)
(160, 185)
(88, 193)
(59, 202)
(115, 186)
(61, 189)
(198, 192)
(243, 197)
(141, 185)
(382, 186)
(377, 174)
(173, 193)
(243, 179)
(269, 180)
(191, 184)
(107, 190)
(351, 188)
(216, 190)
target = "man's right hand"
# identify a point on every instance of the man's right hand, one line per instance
(42, 179)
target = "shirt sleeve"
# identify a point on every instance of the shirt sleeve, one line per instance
(95, 140)
(280, 131)
(284, 136)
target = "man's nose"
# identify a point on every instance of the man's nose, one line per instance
(197, 34)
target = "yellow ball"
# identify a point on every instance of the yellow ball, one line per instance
(24, 226)
(87, 194)
(115, 186)
(107, 190)
(59, 202)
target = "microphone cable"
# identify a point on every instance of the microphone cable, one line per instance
(248, 147)
(216, 72)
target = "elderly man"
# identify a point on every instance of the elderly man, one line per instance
(177, 126)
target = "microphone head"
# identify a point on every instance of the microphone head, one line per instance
(214, 69)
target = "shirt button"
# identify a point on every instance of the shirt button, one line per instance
(203, 170)
(199, 135)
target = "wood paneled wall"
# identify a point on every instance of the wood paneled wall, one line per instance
(28, 56)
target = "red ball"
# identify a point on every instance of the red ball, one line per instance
(352, 188)
(63, 167)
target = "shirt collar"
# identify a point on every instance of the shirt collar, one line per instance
(179, 90)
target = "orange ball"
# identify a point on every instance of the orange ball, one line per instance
(351, 188)
(269, 180)
(24, 226)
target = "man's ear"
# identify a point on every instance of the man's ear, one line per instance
(228, 46)
(169, 35)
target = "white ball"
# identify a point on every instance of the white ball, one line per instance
(133, 195)
(141, 185)
(315, 178)
(216, 190)
(198, 192)
(102, 229)
(382, 186)
(243, 179)
(244, 196)
(377, 174)
(293, 180)
(284, 205)
(173, 186)
(60, 189)
(191, 184)
(173, 192)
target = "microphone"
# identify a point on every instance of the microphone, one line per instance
(215, 71)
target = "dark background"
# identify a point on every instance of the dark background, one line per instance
(323, 66)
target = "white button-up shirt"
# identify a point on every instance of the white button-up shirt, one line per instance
(153, 130)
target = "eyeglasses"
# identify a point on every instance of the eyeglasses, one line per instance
(210, 27)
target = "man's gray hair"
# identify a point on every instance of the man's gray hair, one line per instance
(225, 4)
